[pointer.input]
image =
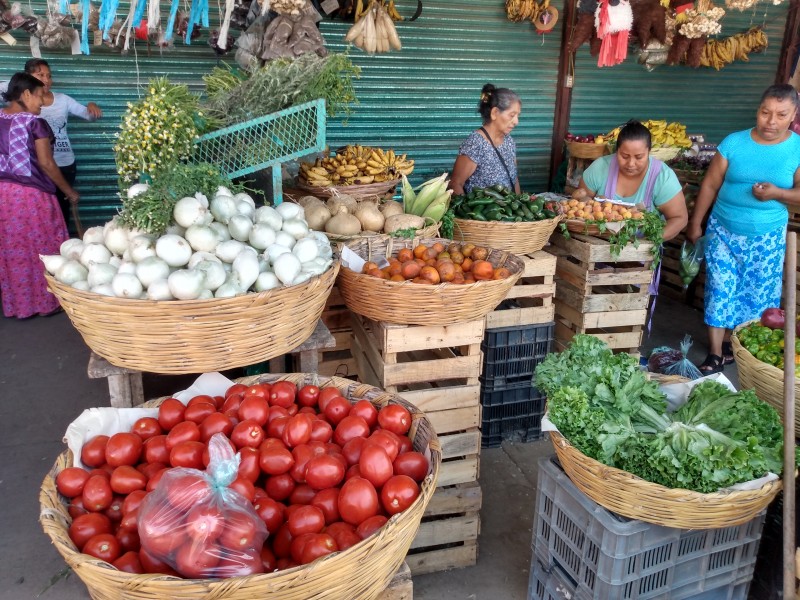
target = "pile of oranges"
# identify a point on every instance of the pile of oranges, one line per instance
(599, 210)
(431, 265)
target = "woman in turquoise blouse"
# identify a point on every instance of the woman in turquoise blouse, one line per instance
(753, 177)
(631, 175)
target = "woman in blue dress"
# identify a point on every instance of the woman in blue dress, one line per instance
(489, 155)
(753, 177)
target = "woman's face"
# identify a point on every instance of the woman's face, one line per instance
(633, 157)
(42, 73)
(33, 100)
(773, 118)
(506, 120)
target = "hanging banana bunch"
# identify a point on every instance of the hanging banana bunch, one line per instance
(718, 53)
(374, 30)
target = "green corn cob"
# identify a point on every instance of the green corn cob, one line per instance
(439, 206)
(428, 194)
(408, 195)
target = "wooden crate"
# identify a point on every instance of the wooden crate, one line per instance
(448, 534)
(339, 360)
(533, 294)
(401, 587)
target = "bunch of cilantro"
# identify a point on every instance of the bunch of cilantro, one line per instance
(606, 407)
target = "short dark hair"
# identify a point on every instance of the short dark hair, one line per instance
(634, 131)
(35, 63)
(494, 97)
(781, 91)
(20, 83)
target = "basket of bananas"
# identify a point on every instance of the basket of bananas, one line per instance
(358, 171)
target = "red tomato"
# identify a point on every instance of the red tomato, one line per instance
(240, 564)
(297, 431)
(126, 479)
(215, 423)
(258, 390)
(197, 413)
(254, 408)
(367, 411)
(276, 427)
(325, 396)
(93, 452)
(280, 487)
(170, 413)
(320, 544)
(302, 454)
(200, 399)
(248, 464)
(130, 520)
(386, 440)
(376, 466)
(114, 510)
(328, 502)
(353, 471)
(104, 471)
(282, 394)
(97, 493)
(150, 469)
(146, 427)
(321, 431)
(413, 464)
(70, 481)
(308, 395)
(349, 428)
(186, 431)
(187, 454)
(307, 410)
(337, 409)
(219, 401)
(128, 540)
(129, 563)
(271, 512)
(344, 534)
(160, 534)
(132, 501)
(155, 449)
(399, 493)
(268, 560)
(297, 545)
(186, 491)
(247, 433)
(245, 487)
(103, 546)
(352, 450)
(198, 560)
(282, 542)
(406, 445)
(76, 508)
(395, 418)
(302, 494)
(358, 501)
(324, 471)
(306, 519)
(239, 532)
(204, 523)
(370, 526)
(236, 388)
(152, 564)
(285, 563)
(87, 526)
(275, 460)
(275, 412)
(155, 479)
(232, 404)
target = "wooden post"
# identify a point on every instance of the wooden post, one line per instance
(790, 45)
(563, 91)
(789, 583)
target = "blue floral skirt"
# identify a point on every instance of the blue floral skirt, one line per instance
(744, 275)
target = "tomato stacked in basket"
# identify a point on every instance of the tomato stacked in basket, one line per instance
(322, 473)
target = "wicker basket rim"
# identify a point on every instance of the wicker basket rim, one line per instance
(515, 223)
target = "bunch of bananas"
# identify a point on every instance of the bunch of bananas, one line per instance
(661, 132)
(356, 165)
(718, 53)
(524, 10)
(374, 30)
(358, 8)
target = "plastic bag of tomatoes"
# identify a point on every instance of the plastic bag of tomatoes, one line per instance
(198, 525)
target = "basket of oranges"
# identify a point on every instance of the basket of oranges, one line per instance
(584, 214)
(428, 281)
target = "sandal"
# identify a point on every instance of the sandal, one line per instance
(727, 353)
(712, 364)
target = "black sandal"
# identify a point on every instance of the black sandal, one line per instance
(727, 353)
(712, 364)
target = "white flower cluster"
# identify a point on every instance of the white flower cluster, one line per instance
(701, 24)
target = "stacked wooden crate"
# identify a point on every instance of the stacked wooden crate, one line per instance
(437, 369)
(530, 302)
(600, 293)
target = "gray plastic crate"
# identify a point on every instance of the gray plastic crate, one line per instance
(611, 557)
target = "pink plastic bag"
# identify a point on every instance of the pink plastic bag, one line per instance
(200, 527)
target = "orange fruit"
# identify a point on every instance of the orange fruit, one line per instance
(395, 267)
(479, 253)
(430, 274)
(482, 270)
(501, 273)
(431, 253)
(420, 251)
(431, 262)
(466, 266)
(410, 269)
(458, 279)
(421, 280)
(405, 255)
(420, 262)
(454, 248)
(467, 250)
(397, 278)
(368, 266)
(457, 257)
(447, 271)
(378, 273)
(439, 247)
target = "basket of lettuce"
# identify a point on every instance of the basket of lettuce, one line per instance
(621, 445)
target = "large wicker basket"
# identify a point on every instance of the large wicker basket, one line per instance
(367, 190)
(766, 380)
(196, 336)
(426, 232)
(520, 238)
(635, 498)
(587, 150)
(408, 303)
(358, 573)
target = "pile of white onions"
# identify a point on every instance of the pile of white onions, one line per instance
(223, 248)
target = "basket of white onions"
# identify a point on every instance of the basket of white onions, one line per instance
(227, 285)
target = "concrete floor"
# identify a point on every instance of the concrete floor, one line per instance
(44, 386)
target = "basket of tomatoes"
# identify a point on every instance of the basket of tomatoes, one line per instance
(337, 473)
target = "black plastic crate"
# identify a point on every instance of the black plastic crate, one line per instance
(518, 342)
(515, 415)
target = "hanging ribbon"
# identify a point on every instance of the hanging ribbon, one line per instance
(173, 11)
(108, 14)
(153, 16)
(139, 15)
(87, 7)
(63, 7)
(226, 23)
(198, 14)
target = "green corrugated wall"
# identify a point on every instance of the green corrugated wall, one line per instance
(711, 102)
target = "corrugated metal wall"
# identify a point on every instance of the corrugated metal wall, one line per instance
(715, 103)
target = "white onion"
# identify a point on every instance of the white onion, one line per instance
(141, 247)
(174, 250)
(100, 274)
(159, 290)
(115, 261)
(246, 209)
(152, 269)
(202, 238)
(306, 250)
(240, 227)
(93, 235)
(104, 290)
(213, 272)
(287, 268)
(52, 262)
(267, 281)
(274, 251)
(82, 285)
(70, 272)
(136, 189)
(126, 285)
(246, 269)
(317, 266)
(244, 197)
(71, 245)
(189, 211)
(297, 228)
(229, 289)
(223, 208)
(302, 277)
(115, 237)
(93, 254)
(261, 236)
(290, 210)
(186, 284)
(176, 229)
(285, 239)
(263, 264)
(127, 267)
(270, 216)
(134, 233)
(223, 235)
(202, 198)
(199, 257)
(223, 191)
(228, 251)
(205, 295)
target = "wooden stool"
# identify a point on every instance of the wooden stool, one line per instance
(400, 587)
(308, 351)
(124, 385)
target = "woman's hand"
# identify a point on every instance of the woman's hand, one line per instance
(766, 191)
(94, 110)
(694, 232)
(73, 196)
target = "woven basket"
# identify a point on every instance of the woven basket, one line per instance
(196, 336)
(409, 303)
(426, 232)
(665, 153)
(586, 150)
(581, 226)
(766, 380)
(520, 238)
(633, 497)
(380, 189)
(358, 573)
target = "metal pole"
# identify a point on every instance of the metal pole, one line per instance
(789, 583)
